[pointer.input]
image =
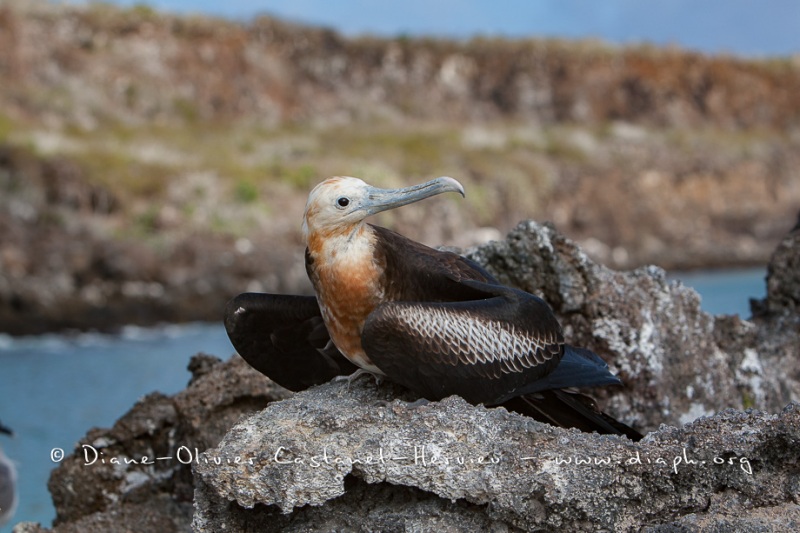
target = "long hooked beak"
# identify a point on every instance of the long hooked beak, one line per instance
(382, 199)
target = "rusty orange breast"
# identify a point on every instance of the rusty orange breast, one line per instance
(348, 281)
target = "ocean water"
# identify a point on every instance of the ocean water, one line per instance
(53, 388)
(728, 292)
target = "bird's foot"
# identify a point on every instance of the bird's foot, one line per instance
(357, 374)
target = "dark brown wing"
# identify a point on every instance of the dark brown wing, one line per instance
(284, 338)
(505, 348)
(417, 273)
(484, 350)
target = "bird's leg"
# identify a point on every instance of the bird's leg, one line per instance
(357, 374)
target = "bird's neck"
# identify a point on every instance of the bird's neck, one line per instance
(348, 280)
(341, 247)
(342, 264)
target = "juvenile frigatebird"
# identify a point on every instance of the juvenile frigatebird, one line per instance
(432, 321)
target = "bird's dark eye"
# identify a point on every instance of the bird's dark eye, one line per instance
(343, 201)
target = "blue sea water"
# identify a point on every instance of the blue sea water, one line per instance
(728, 292)
(54, 388)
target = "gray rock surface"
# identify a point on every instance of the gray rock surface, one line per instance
(515, 473)
(783, 281)
(677, 362)
(355, 452)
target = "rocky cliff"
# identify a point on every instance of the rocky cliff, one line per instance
(137, 64)
(152, 166)
(714, 393)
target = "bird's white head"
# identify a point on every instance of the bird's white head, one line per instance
(339, 205)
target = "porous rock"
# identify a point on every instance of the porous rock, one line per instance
(517, 474)
(306, 462)
(783, 275)
(357, 457)
(677, 362)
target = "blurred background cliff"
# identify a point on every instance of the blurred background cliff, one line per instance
(152, 165)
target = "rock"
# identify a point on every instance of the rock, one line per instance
(783, 275)
(672, 356)
(334, 455)
(268, 70)
(469, 466)
(135, 495)
(678, 364)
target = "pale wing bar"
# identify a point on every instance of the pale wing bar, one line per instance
(482, 350)
(455, 331)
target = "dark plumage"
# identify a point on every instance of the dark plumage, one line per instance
(432, 321)
(284, 338)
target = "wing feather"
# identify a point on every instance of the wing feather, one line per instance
(482, 350)
(284, 338)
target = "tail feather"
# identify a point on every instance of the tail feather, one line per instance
(569, 409)
(578, 367)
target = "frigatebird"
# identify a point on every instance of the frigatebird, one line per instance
(433, 321)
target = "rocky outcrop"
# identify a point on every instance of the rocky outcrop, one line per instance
(472, 467)
(783, 282)
(341, 453)
(63, 267)
(677, 362)
(137, 475)
(111, 214)
(134, 64)
(331, 457)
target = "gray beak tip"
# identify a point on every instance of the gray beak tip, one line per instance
(454, 185)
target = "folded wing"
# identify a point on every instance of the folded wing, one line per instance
(483, 350)
(505, 349)
(284, 338)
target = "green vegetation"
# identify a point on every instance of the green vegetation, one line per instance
(246, 192)
(146, 223)
(143, 10)
(302, 177)
(748, 400)
(224, 176)
(6, 127)
(124, 174)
